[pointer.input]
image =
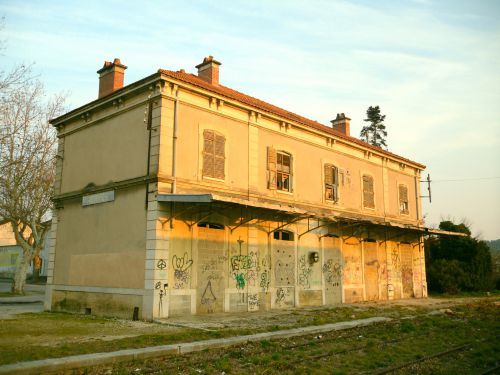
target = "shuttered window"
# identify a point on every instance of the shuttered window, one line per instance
(368, 194)
(331, 183)
(403, 199)
(213, 154)
(279, 167)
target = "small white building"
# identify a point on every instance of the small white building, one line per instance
(10, 252)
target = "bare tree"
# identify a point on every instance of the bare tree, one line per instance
(27, 162)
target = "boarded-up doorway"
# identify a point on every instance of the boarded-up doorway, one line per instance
(353, 271)
(283, 254)
(371, 270)
(332, 270)
(407, 270)
(211, 269)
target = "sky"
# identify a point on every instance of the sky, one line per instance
(433, 67)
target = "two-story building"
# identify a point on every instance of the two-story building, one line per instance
(178, 195)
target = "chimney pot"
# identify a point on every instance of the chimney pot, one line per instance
(111, 77)
(342, 124)
(208, 70)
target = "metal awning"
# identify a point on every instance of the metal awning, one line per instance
(297, 212)
(210, 198)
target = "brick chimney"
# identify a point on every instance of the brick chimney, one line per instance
(342, 124)
(208, 70)
(111, 77)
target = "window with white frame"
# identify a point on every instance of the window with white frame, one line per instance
(279, 166)
(331, 183)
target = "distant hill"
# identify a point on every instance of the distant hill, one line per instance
(494, 246)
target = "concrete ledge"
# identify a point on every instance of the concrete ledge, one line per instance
(87, 360)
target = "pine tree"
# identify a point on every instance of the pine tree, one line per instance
(374, 133)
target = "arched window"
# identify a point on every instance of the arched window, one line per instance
(368, 194)
(213, 154)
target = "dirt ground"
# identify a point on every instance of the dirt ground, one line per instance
(292, 317)
(63, 328)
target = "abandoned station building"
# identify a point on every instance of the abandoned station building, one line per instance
(177, 195)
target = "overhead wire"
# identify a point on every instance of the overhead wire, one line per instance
(467, 179)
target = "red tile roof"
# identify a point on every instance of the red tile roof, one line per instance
(266, 107)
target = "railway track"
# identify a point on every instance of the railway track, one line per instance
(306, 349)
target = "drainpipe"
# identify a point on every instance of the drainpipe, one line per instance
(174, 156)
(417, 179)
(174, 143)
(149, 126)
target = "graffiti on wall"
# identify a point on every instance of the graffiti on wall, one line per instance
(332, 272)
(244, 269)
(213, 264)
(161, 286)
(284, 297)
(182, 270)
(253, 301)
(162, 292)
(265, 280)
(208, 297)
(161, 264)
(305, 272)
(211, 270)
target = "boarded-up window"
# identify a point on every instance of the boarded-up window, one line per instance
(279, 166)
(403, 199)
(213, 154)
(368, 194)
(331, 183)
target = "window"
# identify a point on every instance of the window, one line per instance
(204, 224)
(368, 194)
(283, 235)
(213, 154)
(279, 165)
(331, 183)
(403, 199)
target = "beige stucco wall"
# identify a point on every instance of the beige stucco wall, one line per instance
(192, 123)
(102, 245)
(247, 138)
(112, 150)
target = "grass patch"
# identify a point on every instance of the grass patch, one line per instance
(50, 335)
(8, 294)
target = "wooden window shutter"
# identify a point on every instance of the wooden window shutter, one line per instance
(328, 174)
(335, 183)
(271, 167)
(219, 156)
(208, 153)
(329, 193)
(368, 194)
(331, 182)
